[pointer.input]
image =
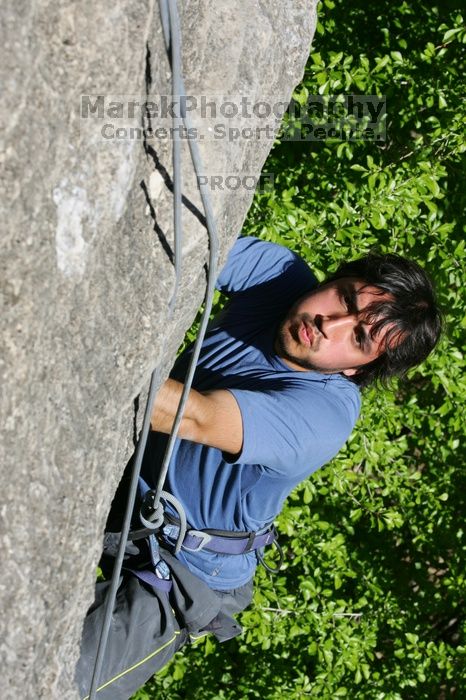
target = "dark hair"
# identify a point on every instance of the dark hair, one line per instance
(411, 313)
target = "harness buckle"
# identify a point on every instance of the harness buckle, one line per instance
(203, 536)
(250, 542)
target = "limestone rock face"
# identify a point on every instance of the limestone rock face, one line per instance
(86, 267)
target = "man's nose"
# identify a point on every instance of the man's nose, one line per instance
(337, 324)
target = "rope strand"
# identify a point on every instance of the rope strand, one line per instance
(172, 35)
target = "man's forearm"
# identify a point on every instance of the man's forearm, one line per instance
(166, 406)
(212, 419)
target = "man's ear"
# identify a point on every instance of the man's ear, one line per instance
(349, 372)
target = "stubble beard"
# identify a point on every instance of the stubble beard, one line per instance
(281, 345)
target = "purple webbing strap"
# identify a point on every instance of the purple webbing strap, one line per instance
(153, 580)
(228, 545)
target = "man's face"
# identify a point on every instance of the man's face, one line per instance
(327, 331)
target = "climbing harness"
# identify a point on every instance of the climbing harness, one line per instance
(227, 542)
(174, 531)
(174, 534)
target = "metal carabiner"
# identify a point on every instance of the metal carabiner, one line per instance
(267, 567)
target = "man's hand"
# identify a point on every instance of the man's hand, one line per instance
(211, 418)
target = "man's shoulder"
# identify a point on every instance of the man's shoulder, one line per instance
(328, 404)
(346, 392)
(334, 390)
(253, 262)
(294, 424)
(328, 409)
(277, 255)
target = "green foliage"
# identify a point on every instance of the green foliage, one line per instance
(370, 602)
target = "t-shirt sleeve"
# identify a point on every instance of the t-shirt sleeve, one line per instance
(297, 431)
(252, 262)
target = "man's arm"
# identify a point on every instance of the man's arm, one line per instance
(211, 418)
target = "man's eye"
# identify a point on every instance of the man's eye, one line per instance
(348, 301)
(359, 337)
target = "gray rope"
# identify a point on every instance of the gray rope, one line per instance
(212, 276)
(112, 591)
(171, 29)
(177, 87)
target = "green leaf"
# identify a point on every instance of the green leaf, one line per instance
(378, 220)
(413, 638)
(397, 56)
(450, 34)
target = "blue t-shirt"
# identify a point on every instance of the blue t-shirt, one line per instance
(293, 421)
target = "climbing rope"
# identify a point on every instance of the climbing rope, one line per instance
(172, 36)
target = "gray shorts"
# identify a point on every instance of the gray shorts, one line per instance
(149, 626)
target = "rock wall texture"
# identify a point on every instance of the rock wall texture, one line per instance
(86, 269)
